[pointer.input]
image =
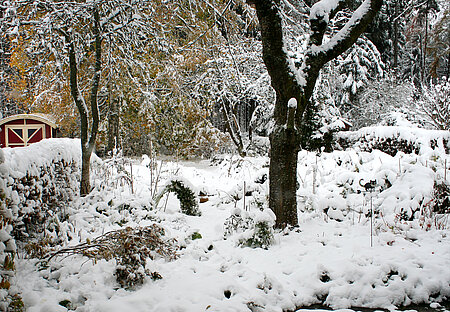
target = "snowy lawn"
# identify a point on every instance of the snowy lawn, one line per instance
(328, 258)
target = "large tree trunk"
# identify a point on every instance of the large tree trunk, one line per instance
(284, 139)
(290, 83)
(284, 148)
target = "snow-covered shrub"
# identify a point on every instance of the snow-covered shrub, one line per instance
(136, 246)
(130, 247)
(209, 141)
(262, 236)
(434, 105)
(388, 145)
(252, 229)
(188, 201)
(39, 180)
(238, 222)
(395, 139)
(114, 171)
(440, 202)
(9, 301)
(36, 182)
(435, 210)
(40, 200)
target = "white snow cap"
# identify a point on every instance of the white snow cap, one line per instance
(292, 103)
(322, 9)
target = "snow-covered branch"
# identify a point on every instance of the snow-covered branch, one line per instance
(347, 36)
(319, 17)
(318, 55)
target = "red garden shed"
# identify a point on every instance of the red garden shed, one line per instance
(24, 129)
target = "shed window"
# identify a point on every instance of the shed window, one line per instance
(19, 133)
(31, 132)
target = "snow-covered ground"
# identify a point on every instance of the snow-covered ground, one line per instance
(328, 258)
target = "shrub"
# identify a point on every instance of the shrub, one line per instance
(131, 247)
(441, 198)
(262, 236)
(185, 195)
(254, 229)
(238, 222)
(40, 199)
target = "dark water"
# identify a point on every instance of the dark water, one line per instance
(445, 307)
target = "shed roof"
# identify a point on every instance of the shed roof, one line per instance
(47, 119)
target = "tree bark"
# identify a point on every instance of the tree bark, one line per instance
(85, 185)
(284, 148)
(396, 34)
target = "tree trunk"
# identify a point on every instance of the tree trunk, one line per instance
(85, 185)
(113, 125)
(289, 118)
(396, 34)
(87, 142)
(232, 126)
(284, 148)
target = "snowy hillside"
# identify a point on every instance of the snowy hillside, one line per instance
(328, 259)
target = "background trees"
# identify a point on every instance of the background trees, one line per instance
(187, 76)
(68, 40)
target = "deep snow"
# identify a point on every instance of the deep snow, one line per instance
(327, 258)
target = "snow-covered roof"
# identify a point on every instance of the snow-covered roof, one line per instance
(48, 119)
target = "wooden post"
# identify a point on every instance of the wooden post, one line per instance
(244, 197)
(314, 176)
(371, 220)
(132, 181)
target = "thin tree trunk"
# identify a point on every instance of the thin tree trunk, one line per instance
(232, 126)
(87, 143)
(395, 43)
(448, 65)
(113, 125)
(85, 186)
(424, 53)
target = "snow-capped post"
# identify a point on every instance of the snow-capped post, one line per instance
(243, 196)
(445, 170)
(291, 80)
(292, 107)
(371, 219)
(132, 179)
(370, 187)
(315, 167)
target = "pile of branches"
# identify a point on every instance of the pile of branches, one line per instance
(131, 247)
